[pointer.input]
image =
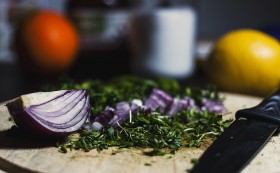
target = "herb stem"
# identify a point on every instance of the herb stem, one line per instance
(207, 133)
(188, 129)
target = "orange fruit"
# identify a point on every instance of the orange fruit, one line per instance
(46, 42)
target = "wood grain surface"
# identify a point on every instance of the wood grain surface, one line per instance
(21, 154)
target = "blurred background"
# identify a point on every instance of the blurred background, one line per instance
(145, 37)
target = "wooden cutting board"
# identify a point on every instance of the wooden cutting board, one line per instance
(25, 155)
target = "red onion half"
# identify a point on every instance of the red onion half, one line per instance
(56, 113)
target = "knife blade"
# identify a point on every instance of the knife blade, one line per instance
(243, 139)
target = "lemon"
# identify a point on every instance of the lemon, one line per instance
(245, 61)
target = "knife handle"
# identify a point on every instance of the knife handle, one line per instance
(267, 110)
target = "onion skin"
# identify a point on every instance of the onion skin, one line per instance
(61, 112)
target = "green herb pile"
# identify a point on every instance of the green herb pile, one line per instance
(147, 130)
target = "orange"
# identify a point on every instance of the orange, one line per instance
(245, 61)
(47, 42)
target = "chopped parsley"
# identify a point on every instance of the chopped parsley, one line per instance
(164, 134)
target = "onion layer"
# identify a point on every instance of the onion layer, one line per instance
(56, 113)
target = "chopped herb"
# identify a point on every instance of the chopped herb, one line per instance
(155, 152)
(10, 119)
(194, 161)
(164, 134)
(63, 149)
(148, 164)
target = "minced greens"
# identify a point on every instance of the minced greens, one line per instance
(187, 128)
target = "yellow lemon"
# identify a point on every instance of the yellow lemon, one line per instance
(245, 61)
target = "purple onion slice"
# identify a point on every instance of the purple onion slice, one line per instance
(159, 100)
(213, 106)
(185, 103)
(56, 113)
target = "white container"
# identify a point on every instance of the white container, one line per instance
(163, 42)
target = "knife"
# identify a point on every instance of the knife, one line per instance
(243, 139)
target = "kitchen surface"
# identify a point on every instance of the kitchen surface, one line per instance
(23, 155)
(109, 66)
